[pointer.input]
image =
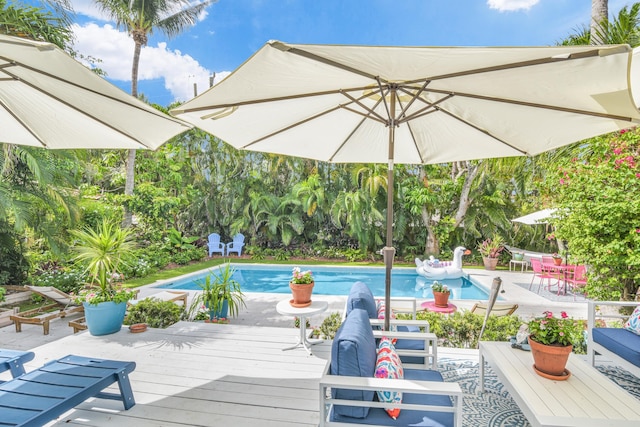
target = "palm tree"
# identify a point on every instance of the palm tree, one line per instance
(599, 16)
(140, 18)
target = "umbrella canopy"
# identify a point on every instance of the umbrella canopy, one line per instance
(417, 105)
(48, 99)
(538, 217)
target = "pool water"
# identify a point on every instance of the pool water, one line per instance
(331, 280)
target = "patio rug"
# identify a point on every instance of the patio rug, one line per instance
(495, 407)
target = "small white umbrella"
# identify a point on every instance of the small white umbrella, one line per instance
(417, 105)
(538, 217)
(48, 99)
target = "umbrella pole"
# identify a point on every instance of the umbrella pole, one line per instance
(389, 251)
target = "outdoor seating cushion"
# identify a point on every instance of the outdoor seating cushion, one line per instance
(621, 341)
(360, 296)
(633, 323)
(388, 365)
(353, 353)
(378, 416)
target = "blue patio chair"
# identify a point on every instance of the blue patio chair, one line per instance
(236, 245)
(215, 245)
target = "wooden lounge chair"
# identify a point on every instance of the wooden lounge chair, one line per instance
(498, 309)
(14, 360)
(42, 395)
(62, 305)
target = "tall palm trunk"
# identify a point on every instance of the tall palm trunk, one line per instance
(130, 168)
(599, 15)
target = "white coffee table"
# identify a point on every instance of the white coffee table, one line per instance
(587, 399)
(316, 307)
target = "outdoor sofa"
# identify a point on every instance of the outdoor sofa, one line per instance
(617, 344)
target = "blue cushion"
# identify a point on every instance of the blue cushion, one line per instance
(353, 353)
(360, 296)
(620, 341)
(407, 417)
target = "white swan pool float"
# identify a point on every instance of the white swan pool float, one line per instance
(437, 270)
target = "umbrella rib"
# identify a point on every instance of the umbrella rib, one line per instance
(23, 124)
(425, 110)
(364, 107)
(312, 56)
(274, 99)
(482, 130)
(533, 62)
(534, 105)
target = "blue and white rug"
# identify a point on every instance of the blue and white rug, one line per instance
(495, 407)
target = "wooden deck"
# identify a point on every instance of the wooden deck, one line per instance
(197, 374)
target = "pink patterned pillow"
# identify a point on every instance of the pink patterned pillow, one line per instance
(381, 309)
(388, 365)
(633, 323)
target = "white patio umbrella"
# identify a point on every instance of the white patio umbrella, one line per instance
(538, 217)
(417, 105)
(48, 99)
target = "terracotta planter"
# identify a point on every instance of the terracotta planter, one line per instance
(557, 261)
(550, 361)
(490, 263)
(301, 294)
(441, 299)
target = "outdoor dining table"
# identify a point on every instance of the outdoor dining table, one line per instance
(562, 272)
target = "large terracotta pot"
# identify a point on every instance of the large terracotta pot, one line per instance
(301, 294)
(441, 299)
(490, 263)
(550, 359)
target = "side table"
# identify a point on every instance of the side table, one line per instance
(431, 306)
(303, 313)
(514, 263)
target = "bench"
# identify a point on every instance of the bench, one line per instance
(14, 360)
(620, 345)
(39, 396)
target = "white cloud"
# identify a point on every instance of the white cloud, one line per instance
(511, 5)
(115, 48)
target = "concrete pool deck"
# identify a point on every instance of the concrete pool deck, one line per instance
(261, 308)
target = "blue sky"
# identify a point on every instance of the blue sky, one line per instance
(232, 30)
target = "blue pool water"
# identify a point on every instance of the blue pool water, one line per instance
(333, 281)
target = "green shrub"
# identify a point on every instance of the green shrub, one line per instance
(155, 313)
(68, 280)
(329, 327)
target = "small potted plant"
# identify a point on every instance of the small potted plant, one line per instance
(490, 250)
(301, 285)
(441, 294)
(221, 294)
(557, 258)
(551, 340)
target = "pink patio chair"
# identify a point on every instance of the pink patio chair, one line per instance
(578, 280)
(541, 272)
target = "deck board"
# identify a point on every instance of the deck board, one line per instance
(197, 374)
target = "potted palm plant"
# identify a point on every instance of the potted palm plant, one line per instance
(490, 250)
(221, 294)
(102, 251)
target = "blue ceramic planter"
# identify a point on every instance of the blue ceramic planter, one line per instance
(105, 318)
(223, 313)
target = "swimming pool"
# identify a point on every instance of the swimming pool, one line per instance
(332, 280)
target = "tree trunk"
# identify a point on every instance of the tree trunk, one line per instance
(599, 15)
(131, 155)
(464, 202)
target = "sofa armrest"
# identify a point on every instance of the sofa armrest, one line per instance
(401, 385)
(593, 315)
(429, 353)
(422, 324)
(407, 305)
